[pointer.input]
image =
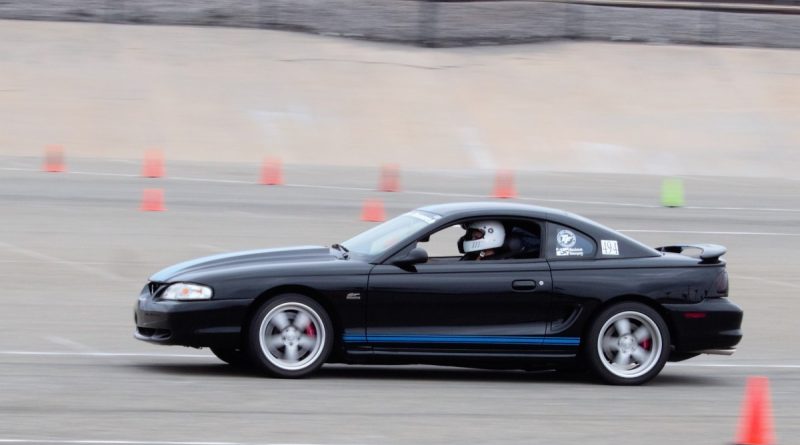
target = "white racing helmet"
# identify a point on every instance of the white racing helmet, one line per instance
(493, 236)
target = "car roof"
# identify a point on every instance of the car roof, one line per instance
(455, 211)
(478, 208)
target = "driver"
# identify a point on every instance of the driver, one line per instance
(483, 239)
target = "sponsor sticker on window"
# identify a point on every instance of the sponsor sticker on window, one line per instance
(566, 244)
(609, 247)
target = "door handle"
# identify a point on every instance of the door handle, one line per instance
(523, 285)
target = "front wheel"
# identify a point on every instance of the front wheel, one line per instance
(290, 336)
(628, 344)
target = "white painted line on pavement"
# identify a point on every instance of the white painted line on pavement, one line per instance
(602, 203)
(217, 181)
(756, 209)
(335, 187)
(426, 193)
(85, 263)
(71, 264)
(131, 442)
(733, 365)
(704, 232)
(115, 442)
(274, 217)
(209, 356)
(19, 169)
(71, 344)
(123, 175)
(134, 442)
(533, 199)
(103, 354)
(416, 192)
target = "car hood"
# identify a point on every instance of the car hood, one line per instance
(301, 254)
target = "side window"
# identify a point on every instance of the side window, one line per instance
(521, 240)
(443, 243)
(567, 242)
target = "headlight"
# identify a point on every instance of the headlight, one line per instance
(186, 292)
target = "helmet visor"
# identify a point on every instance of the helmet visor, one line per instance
(473, 234)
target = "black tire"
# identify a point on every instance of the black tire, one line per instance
(290, 336)
(628, 344)
(232, 356)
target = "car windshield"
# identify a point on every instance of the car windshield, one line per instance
(381, 238)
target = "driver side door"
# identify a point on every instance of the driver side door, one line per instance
(459, 307)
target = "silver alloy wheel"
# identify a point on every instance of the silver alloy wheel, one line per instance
(629, 344)
(292, 336)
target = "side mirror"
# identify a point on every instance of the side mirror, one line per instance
(417, 255)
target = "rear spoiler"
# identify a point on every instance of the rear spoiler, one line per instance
(709, 253)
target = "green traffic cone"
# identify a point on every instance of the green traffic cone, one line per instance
(672, 192)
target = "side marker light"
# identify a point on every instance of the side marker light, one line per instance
(694, 315)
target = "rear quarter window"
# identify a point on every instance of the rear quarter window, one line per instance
(568, 243)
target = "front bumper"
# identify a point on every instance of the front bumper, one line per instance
(712, 326)
(189, 323)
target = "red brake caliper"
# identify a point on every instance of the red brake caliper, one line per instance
(646, 344)
(311, 331)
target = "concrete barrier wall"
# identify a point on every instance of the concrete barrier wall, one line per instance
(222, 94)
(434, 23)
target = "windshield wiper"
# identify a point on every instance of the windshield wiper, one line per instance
(345, 251)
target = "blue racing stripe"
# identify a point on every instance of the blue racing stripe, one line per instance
(354, 338)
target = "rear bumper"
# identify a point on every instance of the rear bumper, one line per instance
(717, 351)
(713, 326)
(189, 323)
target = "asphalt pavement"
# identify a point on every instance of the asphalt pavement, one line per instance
(75, 250)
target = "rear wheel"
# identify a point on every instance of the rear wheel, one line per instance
(290, 336)
(628, 344)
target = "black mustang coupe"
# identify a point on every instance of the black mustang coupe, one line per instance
(492, 285)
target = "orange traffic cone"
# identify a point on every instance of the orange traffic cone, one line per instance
(504, 185)
(390, 178)
(54, 159)
(153, 200)
(153, 166)
(271, 172)
(755, 425)
(373, 211)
